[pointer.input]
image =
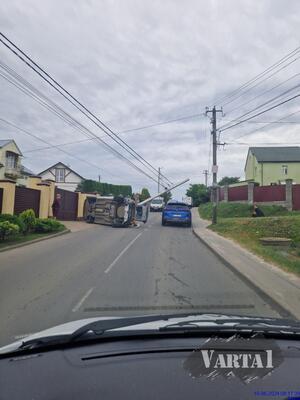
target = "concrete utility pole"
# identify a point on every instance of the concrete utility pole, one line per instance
(205, 172)
(215, 165)
(158, 181)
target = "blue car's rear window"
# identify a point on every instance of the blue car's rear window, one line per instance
(177, 206)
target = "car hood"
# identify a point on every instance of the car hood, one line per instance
(207, 320)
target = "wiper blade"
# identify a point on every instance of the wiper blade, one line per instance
(98, 328)
(235, 327)
(198, 323)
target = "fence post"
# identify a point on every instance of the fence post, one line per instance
(226, 188)
(44, 188)
(81, 199)
(9, 191)
(51, 195)
(250, 192)
(289, 194)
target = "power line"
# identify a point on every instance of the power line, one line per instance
(260, 143)
(273, 122)
(170, 121)
(60, 145)
(261, 94)
(260, 82)
(37, 95)
(258, 76)
(52, 146)
(261, 105)
(261, 112)
(86, 111)
(267, 125)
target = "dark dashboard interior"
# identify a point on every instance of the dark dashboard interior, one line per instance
(137, 369)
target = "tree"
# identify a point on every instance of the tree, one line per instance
(167, 196)
(144, 194)
(227, 180)
(199, 194)
(105, 189)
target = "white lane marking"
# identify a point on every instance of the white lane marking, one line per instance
(122, 252)
(82, 300)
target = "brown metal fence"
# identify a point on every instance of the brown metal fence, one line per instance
(269, 193)
(26, 198)
(68, 205)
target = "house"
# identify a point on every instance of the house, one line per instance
(272, 165)
(10, 160)
(25, 173)
(64, 177)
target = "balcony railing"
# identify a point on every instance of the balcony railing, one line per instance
(12, 172)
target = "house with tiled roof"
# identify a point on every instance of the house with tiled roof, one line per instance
(273, 165)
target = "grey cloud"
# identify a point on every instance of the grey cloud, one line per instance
(136, 62)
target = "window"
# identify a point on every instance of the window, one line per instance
(284, 169)
(60, 175)
(11, 159)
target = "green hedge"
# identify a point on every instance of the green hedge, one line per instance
(26, 222)
(47, 225)
(231, 210)
(8, 229)
(105, 189)
(13, 219)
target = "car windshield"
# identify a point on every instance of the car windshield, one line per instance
(149, 162)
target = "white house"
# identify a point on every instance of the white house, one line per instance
(63, 175)
(10, 160)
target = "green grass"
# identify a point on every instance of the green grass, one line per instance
(247, 232)
(231, 210)
(25, 238)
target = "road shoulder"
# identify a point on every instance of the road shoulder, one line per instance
(280, 286)
(27, 243)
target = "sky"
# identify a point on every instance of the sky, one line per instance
(135, 63)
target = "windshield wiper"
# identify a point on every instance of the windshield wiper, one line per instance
(235, 326)
(109, 329)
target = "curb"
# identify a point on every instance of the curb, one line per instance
(15, 246)
(267, 297)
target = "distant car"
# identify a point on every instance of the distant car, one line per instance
(176, 212)
(188, 200)
(157, 204)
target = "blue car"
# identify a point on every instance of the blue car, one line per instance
(176, 212)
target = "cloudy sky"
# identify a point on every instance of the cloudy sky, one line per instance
(135, 63)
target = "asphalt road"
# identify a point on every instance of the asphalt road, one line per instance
(109, 271)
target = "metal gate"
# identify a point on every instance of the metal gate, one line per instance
(26, 198)
(68, 205)
(1, 199)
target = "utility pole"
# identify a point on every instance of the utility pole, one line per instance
(205, 172)
(158, 181)
(99, 178)
(215, 165)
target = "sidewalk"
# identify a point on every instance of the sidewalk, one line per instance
(282, 287)
(76, 226)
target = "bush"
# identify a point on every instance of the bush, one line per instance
(236, 209)
(13, 219)
(47, 225)
(8, 229)
(29, 220)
